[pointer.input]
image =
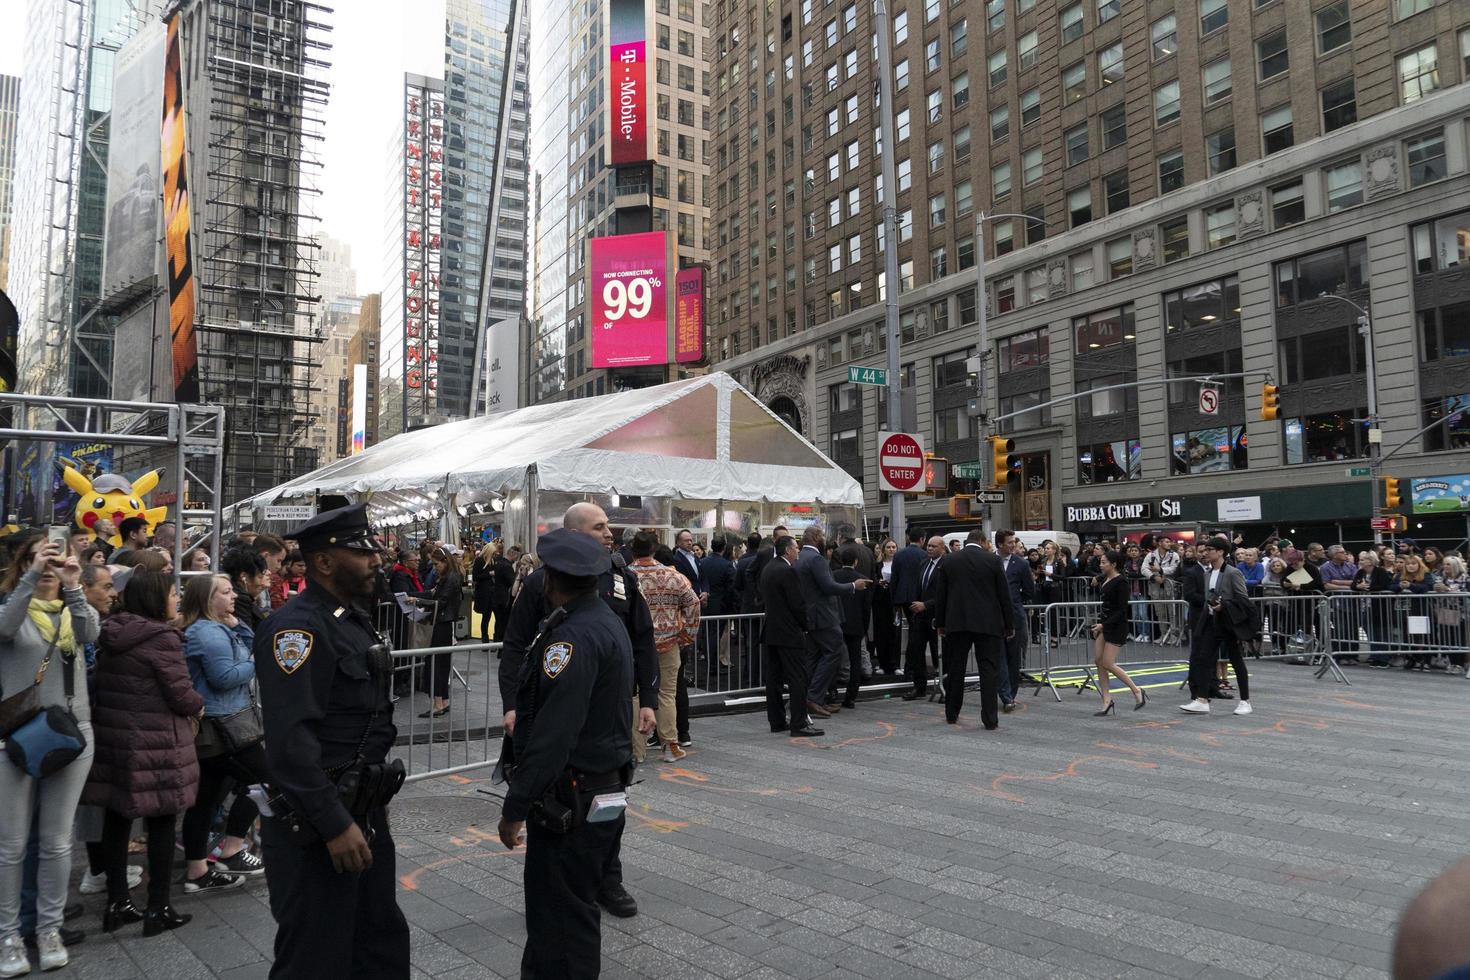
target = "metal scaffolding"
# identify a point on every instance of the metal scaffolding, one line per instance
(259, 75)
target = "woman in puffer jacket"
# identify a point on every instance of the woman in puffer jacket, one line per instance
(146, 715)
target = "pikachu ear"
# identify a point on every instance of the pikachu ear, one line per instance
(145, 483)
(74, 479)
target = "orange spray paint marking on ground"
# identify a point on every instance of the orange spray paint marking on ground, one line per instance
(999, 782)
(887, 728)
(656, 823)
(410, 881)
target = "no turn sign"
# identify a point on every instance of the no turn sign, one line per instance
(1209, 400)
(900, 462)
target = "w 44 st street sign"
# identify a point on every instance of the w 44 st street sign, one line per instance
(867, 376)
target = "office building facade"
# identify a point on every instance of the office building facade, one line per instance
(9, 114)
(1175, 186)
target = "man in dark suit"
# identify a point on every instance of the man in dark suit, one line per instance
(1022, 585)
(904, 589)
(686, 564)
(819, 591)
(857, 610)
(718, 574)
(920, 614)
(783, 638)
(748, 597)
(972, 607)
(1224, 590)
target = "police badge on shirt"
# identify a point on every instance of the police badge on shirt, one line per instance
(292, 647)
(558, 655)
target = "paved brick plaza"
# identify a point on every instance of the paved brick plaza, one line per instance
(1277, 845)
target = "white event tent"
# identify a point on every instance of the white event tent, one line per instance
(701, 453)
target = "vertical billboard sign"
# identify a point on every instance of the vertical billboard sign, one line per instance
(689, 315)
(423, 213)
(502, 390)
(629, 306)
(176, 222)
(359, 408)
(130, 251)
(628, 81)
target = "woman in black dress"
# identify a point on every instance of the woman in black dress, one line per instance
(1110, 632)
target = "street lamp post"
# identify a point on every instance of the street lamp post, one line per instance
(982, 354)
(1375, 436)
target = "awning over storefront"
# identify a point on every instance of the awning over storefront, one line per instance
(703, 438)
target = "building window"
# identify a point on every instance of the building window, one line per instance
(1451, 434)
(844, 398)
(1339, 105)
(959, 40)
(1327, 437)
(1079, 206)
(1031, 107)
(995, 15)
(1184, 393)
(936, 210)
(1071, 23)
(1217, 81)
(997, 67)
(1220, 148)
(1036, 227)
(1445, 332)
(938, 263)
(1081, 267)
(1099, 331)
(1110, 462)
(1026, 51)
(1164, 34)
(1418, 73)
(939, 316)
(950, 369)
(847, 444)
(1000, 123)
(1074, 83)
(1166, 103)
(1114, 127)
(1408, 8)
(1203, 305)
(965, 301)
(1276, 130)
(964, 199)
(1220, 225)
(1005, 295)
(1307, 277)
(1120, 258)
(952, 424)
(1110, 64)
(1334, 26)
(931, 56)
(1174, 236)
(1426, 155)
(1025, 411)
(936, 156)
(1000, 180)
(1209, 450)
(1076, 141)
(1004, 237)
(1171, 171)
(1032, 167)
(1272, 55)
(1115, 191)
(1442, 244)
(962, 144)
(1107, 10)
(935, 101)
(1024, 351)
(1213, 15)
(1344, 186)
(900, 28)
(1288, 205)
(1465, 53)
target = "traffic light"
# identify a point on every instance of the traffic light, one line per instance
(1270, 403)
(1000, 455)
(1390, 493)
(961, 508)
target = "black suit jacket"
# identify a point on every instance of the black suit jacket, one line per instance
(1192, 591)
(908, 566)
(785, 620)
(718, 574)
(857, 607)
(971, 594)
(688, 566)
(1022, 583)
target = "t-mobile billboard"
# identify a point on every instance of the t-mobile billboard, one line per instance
(629, 316)
(628, 81)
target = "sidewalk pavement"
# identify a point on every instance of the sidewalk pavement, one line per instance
(1283, 844)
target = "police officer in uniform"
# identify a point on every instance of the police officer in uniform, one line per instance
(618, 587)
(324, 675)
(572, 759)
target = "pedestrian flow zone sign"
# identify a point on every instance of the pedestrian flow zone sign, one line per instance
(900, 462)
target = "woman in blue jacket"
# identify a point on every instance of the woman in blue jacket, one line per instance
(217, 650)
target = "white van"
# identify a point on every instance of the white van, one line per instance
(1028, 539)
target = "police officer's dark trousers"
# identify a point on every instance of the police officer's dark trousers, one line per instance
(330, 924)
(989, 658)
(563, 922)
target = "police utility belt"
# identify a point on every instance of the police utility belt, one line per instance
(576, 799)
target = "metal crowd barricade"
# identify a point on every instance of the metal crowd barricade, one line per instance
(1298, 627)
(1067, 643)
(725, 660)
(1379, 627)
(468, 736)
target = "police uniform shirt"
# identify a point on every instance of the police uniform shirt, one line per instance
(317, 696)
(618, 588)
(581, 682)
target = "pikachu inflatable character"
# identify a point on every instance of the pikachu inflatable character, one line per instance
(113, 497)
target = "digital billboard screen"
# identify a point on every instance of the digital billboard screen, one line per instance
(628, 81)
(629, 316)
(689, 315)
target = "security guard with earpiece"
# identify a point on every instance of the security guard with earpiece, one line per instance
(572, 759)
(324, 675)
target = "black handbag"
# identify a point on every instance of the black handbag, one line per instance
(241, 730)
(51, 739)
(21, 707)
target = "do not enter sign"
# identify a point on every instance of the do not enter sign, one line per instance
(900, 462)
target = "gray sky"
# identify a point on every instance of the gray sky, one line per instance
(373, 43)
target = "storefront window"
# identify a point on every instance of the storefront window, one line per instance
(1110, 462)
(1209, 450)
(1327, 437)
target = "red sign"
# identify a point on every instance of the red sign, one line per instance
(900, 462)
(689, 315)
(628, 81)
(1388, 523)
(629, 316)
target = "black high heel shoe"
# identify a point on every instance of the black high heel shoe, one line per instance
(156, 921)
(119, 914)
(1143, 700)
(1106, 711)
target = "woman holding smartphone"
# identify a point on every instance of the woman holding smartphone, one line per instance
(1110, 632)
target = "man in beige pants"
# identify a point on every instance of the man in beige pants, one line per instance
(675, 610)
